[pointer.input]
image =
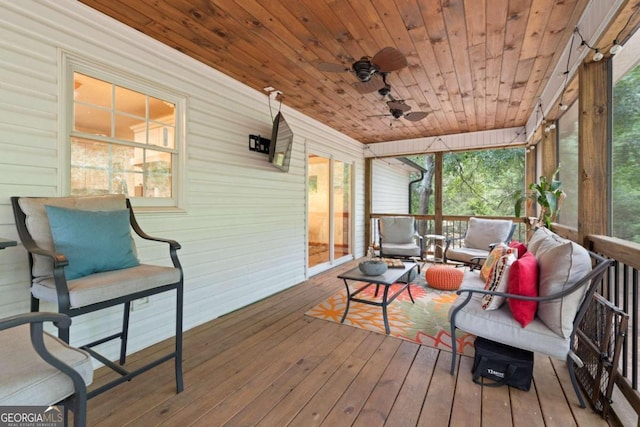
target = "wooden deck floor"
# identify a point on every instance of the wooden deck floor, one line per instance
(269, 365)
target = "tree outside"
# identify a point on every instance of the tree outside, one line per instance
(474, 182)
(625, 198)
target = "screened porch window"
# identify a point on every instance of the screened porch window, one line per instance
(568, 161)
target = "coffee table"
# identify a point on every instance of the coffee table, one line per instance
(390, 277)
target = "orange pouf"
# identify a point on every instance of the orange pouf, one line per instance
(444, 277)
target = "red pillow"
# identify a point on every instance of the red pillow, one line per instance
(523, 280)
(519, 246)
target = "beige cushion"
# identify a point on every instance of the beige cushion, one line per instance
(38, 223)
(399, 229)
(25, 379)
(560, 267)
(400, 250)
(543, 240)
(500, 326)
(466, 254)
(108, 285)
(483, 232)
(561, 263)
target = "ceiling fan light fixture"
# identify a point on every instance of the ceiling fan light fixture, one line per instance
(364, 69)
(396, 113)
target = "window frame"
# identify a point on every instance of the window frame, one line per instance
(71, 64)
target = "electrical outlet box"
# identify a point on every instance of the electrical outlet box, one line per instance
(139, 303)
(259, 144)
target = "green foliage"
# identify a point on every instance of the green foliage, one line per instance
(482, 182)
(547, 194)
(474, 182)
(625, 195)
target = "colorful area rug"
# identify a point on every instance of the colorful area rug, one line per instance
(424, 322)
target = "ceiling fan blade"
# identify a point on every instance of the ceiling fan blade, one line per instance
(372, 85)
(415, 116)
(398, 105)
(389, 59)
(328, 67)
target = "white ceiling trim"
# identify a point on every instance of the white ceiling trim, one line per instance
(446, 143)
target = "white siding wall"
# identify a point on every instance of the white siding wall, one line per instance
(243, 232)
(390, 188)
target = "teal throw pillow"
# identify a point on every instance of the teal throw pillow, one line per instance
(92, 241)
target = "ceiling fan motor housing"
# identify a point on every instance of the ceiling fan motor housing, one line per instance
(396, 113)
(364, 69)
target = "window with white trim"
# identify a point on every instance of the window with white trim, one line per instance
(124, 137)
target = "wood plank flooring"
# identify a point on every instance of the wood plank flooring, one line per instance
(270, 365)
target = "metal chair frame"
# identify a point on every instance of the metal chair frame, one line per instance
(64, 306)
(476, 262)
(77, 402)
(591, 280)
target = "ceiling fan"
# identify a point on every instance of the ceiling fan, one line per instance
(398, 109)
(370, 71)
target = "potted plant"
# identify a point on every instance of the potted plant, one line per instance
(548, 194)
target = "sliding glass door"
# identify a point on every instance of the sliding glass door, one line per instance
(329, 214)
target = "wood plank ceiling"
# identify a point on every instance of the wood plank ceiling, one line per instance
(473, 65)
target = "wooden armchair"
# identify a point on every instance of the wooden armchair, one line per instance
(82, 257)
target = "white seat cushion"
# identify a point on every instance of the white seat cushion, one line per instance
(465, 254)
(398, 249)
(108, 285)
(500, 326)
(26, 379)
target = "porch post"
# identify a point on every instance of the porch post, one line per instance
(437, 198)
(594, 123)
(530, 174)
(368, 182)
(549, 153)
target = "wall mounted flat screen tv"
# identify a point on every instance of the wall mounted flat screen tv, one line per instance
(281, 142)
